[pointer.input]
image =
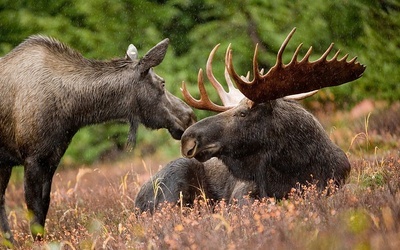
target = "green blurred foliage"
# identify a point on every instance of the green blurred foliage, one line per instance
(104, 29)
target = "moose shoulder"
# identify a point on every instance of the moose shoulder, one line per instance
(49, 91)
(266, 144)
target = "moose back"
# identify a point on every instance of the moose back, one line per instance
(48, 91)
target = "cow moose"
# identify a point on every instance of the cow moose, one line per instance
(48, 91)
(266, 144)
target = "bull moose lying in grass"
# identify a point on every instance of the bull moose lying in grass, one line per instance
(266, 145)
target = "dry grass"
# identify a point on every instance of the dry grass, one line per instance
(92, 208)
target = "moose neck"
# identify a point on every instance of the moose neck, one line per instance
(102, 92)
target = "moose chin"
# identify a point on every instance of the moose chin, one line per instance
(262, 142)
(49, 91)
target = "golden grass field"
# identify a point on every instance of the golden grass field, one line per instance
(92, 207)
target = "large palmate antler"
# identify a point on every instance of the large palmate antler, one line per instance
(297, 76)
(229, 99)
(296, 80)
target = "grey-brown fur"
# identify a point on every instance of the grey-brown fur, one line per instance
(49, 91)
(266, 150)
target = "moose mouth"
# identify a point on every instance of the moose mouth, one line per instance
(179, 126)
(191, 149)
(176, 133)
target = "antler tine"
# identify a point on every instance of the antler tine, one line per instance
(231, 98)
(279, 61)
(234, 96)
(256, 73)
(307, 55)
(344, 58)
(336, 55)
(204, 103)
(300, 96)
(297, 76)
(227, 78)
(296, 53)
(236, 78)
(353, 60)
(326, 53)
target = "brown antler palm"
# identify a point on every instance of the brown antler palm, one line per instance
(297, 76)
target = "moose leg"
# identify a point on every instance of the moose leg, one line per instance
(38, 180)
(34, 180)
(47, 180)
(5, 173)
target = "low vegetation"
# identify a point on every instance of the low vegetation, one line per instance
(92, 208)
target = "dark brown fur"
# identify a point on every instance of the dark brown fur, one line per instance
(265, 150)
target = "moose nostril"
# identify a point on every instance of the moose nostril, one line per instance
(190, 152)
(189, 148)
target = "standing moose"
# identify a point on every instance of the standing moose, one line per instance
(49, 91)
(267, 144)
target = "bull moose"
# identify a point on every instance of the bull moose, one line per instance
(266, 144)
(48, 91)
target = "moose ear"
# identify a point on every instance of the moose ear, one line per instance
(154, 56)
(132, 52)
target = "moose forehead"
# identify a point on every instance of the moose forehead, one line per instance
(247, 114)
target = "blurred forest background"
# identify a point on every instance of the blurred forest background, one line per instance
(103, 30)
